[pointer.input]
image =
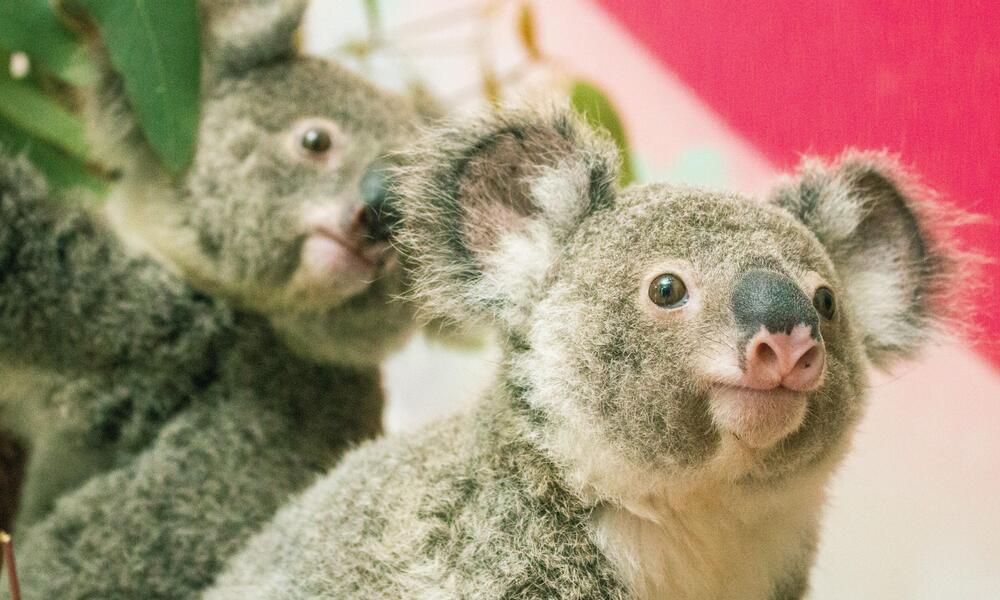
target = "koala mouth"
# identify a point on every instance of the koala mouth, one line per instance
(366, 257)
(759, 418)
(333, 267)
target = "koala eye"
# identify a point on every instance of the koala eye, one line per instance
(824, 302)
(316, 140)
(668, 291)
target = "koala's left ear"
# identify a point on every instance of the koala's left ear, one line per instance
(891, 256)
(485, 204)
(240, 34)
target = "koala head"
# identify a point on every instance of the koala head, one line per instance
(663, 330)
(282, 210)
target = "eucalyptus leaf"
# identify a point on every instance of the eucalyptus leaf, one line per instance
(591, 103)
(31, 26)
(155, 46)
(30, 109)
(60, 170)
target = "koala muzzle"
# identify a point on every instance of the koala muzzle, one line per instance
(379, 214)
(780, 327)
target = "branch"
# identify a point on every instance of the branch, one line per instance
(7, 547)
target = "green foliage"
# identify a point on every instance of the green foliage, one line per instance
(32, 121)
(31, 27)
(29, 109)
(59, 169)
(155, 46)
(599, 112)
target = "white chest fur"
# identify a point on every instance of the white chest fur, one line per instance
(711, 544)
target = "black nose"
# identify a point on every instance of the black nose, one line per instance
(376, 193)
(772, 300)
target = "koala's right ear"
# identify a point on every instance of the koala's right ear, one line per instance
(241, 34)
(485, 203)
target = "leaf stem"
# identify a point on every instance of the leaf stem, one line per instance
(7, 546)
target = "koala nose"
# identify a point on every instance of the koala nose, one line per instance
(793, 360)
(781, 328)
(378, 213)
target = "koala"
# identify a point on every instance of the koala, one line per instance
(682, 370)
(180, 359)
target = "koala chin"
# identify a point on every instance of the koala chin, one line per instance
(682, 371)
(183, 358)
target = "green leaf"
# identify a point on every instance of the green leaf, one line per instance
(61, 171)
(30, 26)
(598, 111)
(374, 18)
(155, 46)
(33, 111)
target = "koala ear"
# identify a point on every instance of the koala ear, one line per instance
(886, 242)
(240, 34)
(236, 35)
(485, 203)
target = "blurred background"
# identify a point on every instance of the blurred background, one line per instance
(729, 95)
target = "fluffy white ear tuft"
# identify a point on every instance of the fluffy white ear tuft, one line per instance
(557, 192)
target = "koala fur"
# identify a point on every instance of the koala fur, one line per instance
(614, 458)
(181, 359)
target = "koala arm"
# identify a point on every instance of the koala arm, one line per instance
(71, 298)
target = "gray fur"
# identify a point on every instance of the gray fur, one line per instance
(601, 404)
(488, 517)
(171, 382)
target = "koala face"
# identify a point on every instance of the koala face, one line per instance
(682, 320)
(667, 330)
(283, 210)
(287, 193)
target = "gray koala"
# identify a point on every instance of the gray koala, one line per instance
(184, 357)
(682, 371)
